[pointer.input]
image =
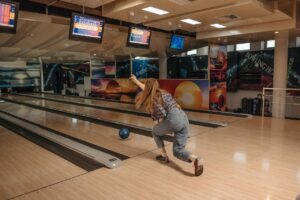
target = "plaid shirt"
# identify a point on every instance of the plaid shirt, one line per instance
(161, 111)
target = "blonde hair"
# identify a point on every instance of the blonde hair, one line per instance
(150, 96)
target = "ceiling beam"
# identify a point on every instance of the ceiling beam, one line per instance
(254, 28)
(70, 6)
(121, 5)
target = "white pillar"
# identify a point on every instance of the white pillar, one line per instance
(163, 66)
(280, 73)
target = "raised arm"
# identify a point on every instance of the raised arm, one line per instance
(137, 82)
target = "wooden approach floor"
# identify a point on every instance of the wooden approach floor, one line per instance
(26, 167)
(250, 159)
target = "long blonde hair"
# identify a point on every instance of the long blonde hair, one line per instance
(150, 96)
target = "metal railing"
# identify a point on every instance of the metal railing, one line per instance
(286, 96)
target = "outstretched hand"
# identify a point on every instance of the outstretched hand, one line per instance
(137, 82)
(132, 78)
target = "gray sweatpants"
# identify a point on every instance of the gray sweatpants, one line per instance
(175, 122)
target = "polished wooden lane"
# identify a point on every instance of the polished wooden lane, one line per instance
(103, 136)
(249, 161)
(104, 114)
(26, 167)
(96, 134)
(109, 104)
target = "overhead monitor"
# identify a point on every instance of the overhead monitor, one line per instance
(177, 42)
(86, 28)
(139, 37)
(8, 16)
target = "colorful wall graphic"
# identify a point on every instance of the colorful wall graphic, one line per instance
(218, 64)
(117, 89)
(218, 96)
(123, 69)
(27, 78)
(110, 69)
(58, 74)
(256, 69)
(75, 73)
(232, 72)
(146, 68)
(189, 67)
(98, 69)
(192, 94)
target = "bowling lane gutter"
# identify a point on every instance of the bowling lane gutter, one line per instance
(232, 114)
(72, 156)
(114, 124)
(127, 111)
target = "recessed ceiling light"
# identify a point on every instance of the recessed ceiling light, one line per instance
(155, 10)
(218, 25)
(276, 32)
(131, 13)
(235, 32)
(190, 21)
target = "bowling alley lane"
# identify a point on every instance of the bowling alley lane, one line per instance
(26, 167)
(102, 114)
(99, 135)
(110, 104)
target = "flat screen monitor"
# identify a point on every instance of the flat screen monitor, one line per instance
(8, 16)
(86, 28)
(139, 37)
(177, 42)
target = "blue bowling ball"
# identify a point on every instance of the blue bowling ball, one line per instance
(124, 133)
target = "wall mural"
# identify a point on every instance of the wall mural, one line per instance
(123, 69)
(110, 69)
(218, 65)
(218, 96)
(116, 89)
(232, 72)
(98, 69)
(192, 94)
(58, 74)
(146, 68)
(294, 68)
(256, 69)
(188, 67)
(27, 77)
